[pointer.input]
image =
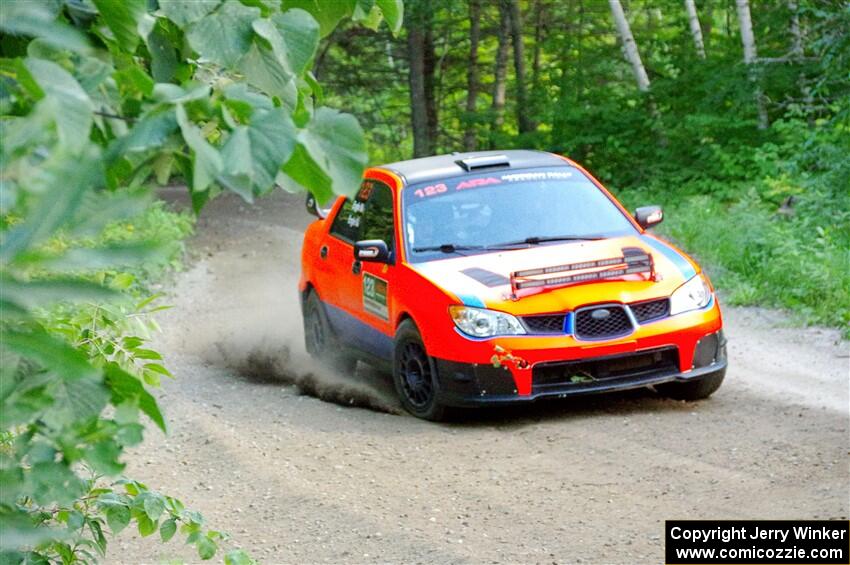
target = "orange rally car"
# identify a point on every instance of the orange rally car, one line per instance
(493, 277)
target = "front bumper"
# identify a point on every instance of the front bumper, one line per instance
(472, 384)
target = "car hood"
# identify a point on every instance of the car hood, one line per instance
(483, 280)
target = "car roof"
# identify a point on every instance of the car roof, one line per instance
(438, 167)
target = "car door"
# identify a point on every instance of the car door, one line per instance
(336, 281)
(373, 303)
(359, 319)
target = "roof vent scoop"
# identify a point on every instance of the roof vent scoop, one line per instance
(484, 162)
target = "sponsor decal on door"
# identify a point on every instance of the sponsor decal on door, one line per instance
(375, 296)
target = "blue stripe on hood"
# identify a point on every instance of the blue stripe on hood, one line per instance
(681, 263)
(471, 300)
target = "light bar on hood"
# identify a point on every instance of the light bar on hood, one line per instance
(634, 260)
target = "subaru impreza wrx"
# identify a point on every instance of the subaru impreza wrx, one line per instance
(497, 277)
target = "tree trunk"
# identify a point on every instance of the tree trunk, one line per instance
(418, 108)
(696, 30)
(629, 46)
(708, 24)
(798, 52)
(524, 121)
(430, 68)
(469, 137)
(538, 42)
(750, 55)
(420, 52)
(500, 73)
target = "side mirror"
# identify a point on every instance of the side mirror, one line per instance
(372, 250)
(314, 208)
(648, 216)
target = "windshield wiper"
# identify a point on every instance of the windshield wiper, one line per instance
(535, 240)
(455, 248)
(449, 248)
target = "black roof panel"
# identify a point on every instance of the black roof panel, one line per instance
(441, 166)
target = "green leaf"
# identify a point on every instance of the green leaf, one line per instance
(100, 258)
(184, 13)
(264, 70)
(241, 93)
(300, 33)
(303, 173)
(147, 354)
(257, 151)
(75, 400)
(206, 161)
(64, 99)
(126, 387)
(332, 143)
(103, 457)
(122, 281)
(173, 94)
(154, 506)
(51, 353)
(167, 529)
(370, 20)
(64, 179)
(146, 525)
(238, 557)
(117, 517)
(51, 482)
(54, 291)
(34, 19)
(393, 11)
(206, 548)
(224, 36)
(163, 55)
(148, 133)
(98, 209)
(328, 14)
(123, 17)
(157, 368)
(133, 81)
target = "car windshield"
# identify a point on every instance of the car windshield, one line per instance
(506, 209)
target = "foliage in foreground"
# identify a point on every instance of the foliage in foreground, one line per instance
(98, 99)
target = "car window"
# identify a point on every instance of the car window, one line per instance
(377, 222)
(346, 225)
(368, 216)
(483, 209)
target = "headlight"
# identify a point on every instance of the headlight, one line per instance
(478, 322)
(692, 295)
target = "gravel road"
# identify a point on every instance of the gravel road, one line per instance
(348, 479)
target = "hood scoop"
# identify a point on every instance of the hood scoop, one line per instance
(485, 277)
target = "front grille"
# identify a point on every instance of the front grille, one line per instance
(651, 310)
(548, 324)
(602, 322)
(661, 361)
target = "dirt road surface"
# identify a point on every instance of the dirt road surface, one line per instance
(296, 479)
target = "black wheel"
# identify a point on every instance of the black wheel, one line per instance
(319, 339)
(415, 375)
(697, 389)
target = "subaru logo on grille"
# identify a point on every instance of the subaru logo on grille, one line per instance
(600, 314)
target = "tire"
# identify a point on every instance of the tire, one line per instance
(415, 375)
(697, 389)
(319, 338)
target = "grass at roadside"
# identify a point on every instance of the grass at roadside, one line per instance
(758, 251)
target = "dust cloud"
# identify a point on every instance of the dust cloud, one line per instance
(310, 377)
(256, 331)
